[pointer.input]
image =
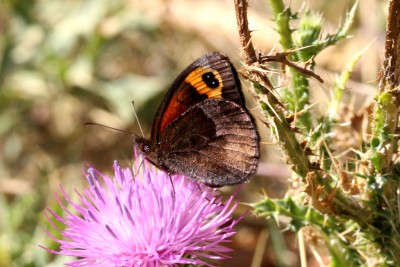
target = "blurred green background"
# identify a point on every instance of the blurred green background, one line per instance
(63, 63)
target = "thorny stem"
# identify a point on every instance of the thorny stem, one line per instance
(300, 94)
(249, 54)
(284, 133)
(384, 140)
(391, 64)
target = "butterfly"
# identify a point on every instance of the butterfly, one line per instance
(202, 128)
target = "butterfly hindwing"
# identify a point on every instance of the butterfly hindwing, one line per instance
(214, 142)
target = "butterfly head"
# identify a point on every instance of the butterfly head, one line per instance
(148, 150)
(142, 143)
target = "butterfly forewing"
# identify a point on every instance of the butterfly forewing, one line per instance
(211, 76)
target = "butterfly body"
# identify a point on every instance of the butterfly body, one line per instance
(202, 128)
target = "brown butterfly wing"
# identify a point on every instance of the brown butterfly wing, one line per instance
(214, 142)
(210, 76)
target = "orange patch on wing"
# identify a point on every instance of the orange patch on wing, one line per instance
(174, 109)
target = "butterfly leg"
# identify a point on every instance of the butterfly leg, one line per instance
(172, 183)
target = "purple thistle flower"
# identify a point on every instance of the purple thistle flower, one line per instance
(144, 221)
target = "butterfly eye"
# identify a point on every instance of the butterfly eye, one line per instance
(210, 80)
(145, 148)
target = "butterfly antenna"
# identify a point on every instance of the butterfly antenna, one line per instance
(109, 127)
(137, 119)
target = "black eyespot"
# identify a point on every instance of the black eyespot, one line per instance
(210, 80)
